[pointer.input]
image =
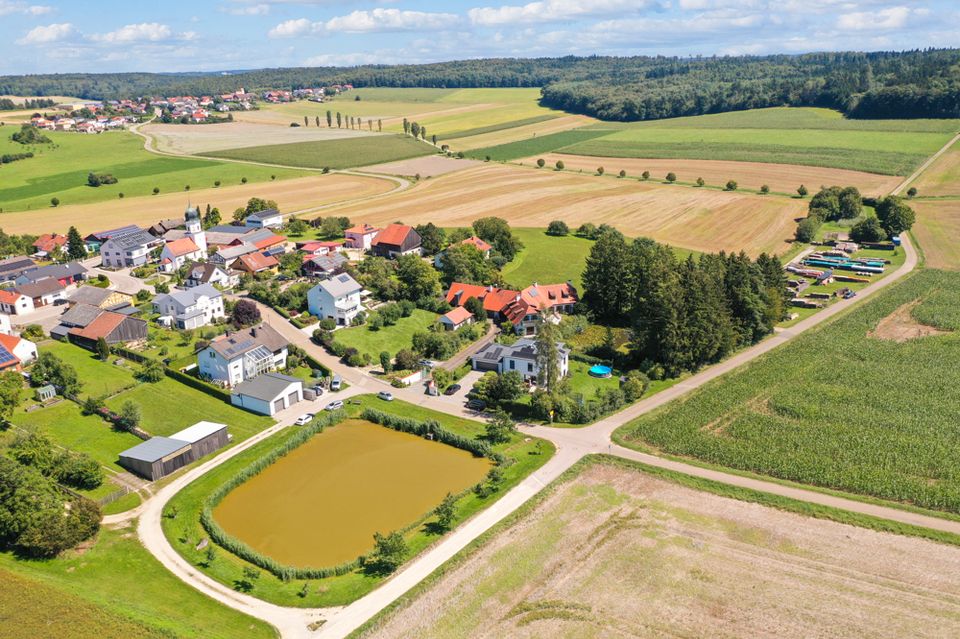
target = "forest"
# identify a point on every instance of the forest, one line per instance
(907, 84)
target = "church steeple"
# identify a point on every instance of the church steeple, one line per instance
(195, 228)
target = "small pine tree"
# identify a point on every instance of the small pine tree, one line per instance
(802, 191)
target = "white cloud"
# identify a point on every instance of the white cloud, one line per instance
(8, 7)
(142, 32)
(890, 18)
(249, 10)
(371, 21)
(49, 33)
(555, 10)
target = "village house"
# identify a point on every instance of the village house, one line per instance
(14, 303)
(521, 356)
(269, 218)
(318, 248)
(255, 263)
(523, 309)
(43, 292)
(177, 253)
(210, 273)
(242, 355)
(337, 298)
(190, 308)
(47, 243)
(323, 266)
(360, 236)
(456, 318)
(94, 241)
(67, 275)
(396, 240)
(15, 352)
(13, 267)
(128, 249)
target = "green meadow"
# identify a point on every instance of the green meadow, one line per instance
(60, 170)
(335, 154)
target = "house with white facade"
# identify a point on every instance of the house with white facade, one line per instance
(242, 355)
(521, 356)
(14, 303)
(360, 236)
(177, 253)
(190, 308)
(210, 273)
(268, 394)
(270, 218)
(128, 249)
(337, 298)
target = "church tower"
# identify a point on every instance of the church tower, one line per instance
(195, 229)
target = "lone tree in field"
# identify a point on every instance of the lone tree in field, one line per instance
(389, 552)
(540, 163)
(415, 130)
(764, 189)
(316, 121)
(912, 192)
(54, 202)
(731, 185)
(329, 119)
(156, 190)
(599, 170)
(560, 165)
(802, 191)
(671, 177)
(75, 248)
(306, 121)
(500, 428)
(623, 173)
(433, 138)
(406, 127)
(700, 181)
(645, 175)
(558, 227)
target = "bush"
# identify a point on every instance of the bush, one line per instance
(868, 230)
(731, 185)
(406, 360)
(700, 181)
(54, 201)
(558, 227)
(540, 163)
(765, 189)
(807, 228)
(645, 175)
(622, 173)
(671, 177)
(560, 165)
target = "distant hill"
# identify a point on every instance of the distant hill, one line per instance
(909, 84)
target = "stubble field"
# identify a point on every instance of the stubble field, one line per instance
(199, 139)
(615, 552)
(938, 231)
(290, 195)
(942, 178)
(697, 219)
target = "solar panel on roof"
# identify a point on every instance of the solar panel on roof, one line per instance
(6, 356)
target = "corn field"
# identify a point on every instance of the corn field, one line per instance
(840, 408)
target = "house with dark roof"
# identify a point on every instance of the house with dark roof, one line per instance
(42, 292)
(269, 218)
(268, 394)
(323, 266)
(396, 240)
(100, 297)
(242, 355)
(115, 328)
(521, 356)
(12, 267)
(128, 249)
(211, 273)
(67, 274)
(94, 241)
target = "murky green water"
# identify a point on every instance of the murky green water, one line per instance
(321, 504)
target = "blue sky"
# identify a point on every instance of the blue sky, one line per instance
(112, 35)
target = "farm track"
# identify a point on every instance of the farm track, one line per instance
(572, 445)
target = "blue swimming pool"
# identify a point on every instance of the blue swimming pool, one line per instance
(599, 370)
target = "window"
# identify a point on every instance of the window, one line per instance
(529, 367)
(212, 354)
(513, 364)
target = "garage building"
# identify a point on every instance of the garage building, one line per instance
(159, 456)
(268, 393)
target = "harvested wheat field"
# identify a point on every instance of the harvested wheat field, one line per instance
(943, 176)
(781, 178)
(938, 231)
(291, 195)
(618, 553)
(504, 136)
(703, 220)
(188, 139)
(427, 166)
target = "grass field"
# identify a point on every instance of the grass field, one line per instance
(99, 379)
(547, 259)
(290, 195)
(117, 586)
(839, 407)
(515, 150)
(781, 178)
(942, 178)
(337, 590)
(389, 338)
(60, 170)
(698, 219)
(516, 132)
(199, 140)
(608, 536)
(335, 154)
(938, 231)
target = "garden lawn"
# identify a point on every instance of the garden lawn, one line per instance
(389, 338)
(526, 455)
(582, 382)
(124, 588)
(335, 154)
(99, 378)
(168, 406)
(68, 427)
(547, 259)
(60, 170)
(839, 407)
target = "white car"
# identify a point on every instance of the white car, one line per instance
(386, 396)
(334, 405)
(304, 419)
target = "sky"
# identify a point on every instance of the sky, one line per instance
(112, 35)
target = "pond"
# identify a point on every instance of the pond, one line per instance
(321, 503)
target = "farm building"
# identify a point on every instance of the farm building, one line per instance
(159, 456)
(268, 393)
(396, 240)
(264, 219)
(12, 267)
(115, 328)
(100, 297)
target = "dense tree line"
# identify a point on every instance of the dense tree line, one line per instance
(6, 104)
(683, 313)
(862, 85)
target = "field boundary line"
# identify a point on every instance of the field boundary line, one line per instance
(926, 165)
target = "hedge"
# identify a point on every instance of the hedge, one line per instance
(407, 425)
(226, 541)
(198, 384)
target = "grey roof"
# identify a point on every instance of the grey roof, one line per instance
(38, 289)
(202, 272)
(233, 345)
(14, 266)
(265, 387)
(90, 295)
(233, 252)
(132, 239)
(329, 262)
(104, 235)
(523, 348)
(79, 315)
(232, 229)
(70, 269)
(60, 331)
(339, 285)
(187, 297)
(154, 449)
(259, 216)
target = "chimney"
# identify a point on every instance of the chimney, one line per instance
(253, 331)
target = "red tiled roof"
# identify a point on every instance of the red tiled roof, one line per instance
(394, 234)
(494, 299)
(183, 246)
(362, 229)
(9, 297)
(459, 315)
(269, 241)
(9, 342)
(48, 242)
(545, 296)
(482, 246)
(105, 324)
(9, 362)
(257, 261)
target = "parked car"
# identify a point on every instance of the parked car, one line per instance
(336, 383)
(386, 396)
(476, 404)
(427, 363)
(304, 419)
(334, 405)
(452, 389)
(318, 389)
